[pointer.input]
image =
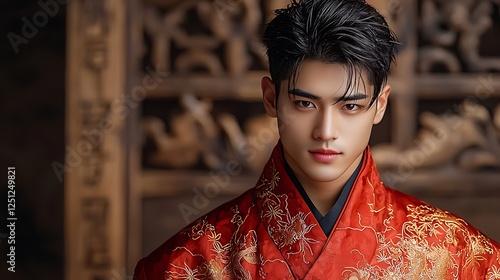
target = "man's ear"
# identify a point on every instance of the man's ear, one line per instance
(382, 100)
(269, 96)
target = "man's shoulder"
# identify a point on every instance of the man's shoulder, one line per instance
(196, 240)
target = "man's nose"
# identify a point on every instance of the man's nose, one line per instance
(326, 127)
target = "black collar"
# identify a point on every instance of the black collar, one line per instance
(328, 221)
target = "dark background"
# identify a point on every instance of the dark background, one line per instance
(32, 100)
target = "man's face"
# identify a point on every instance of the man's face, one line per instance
(324, 136)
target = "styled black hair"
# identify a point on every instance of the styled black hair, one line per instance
(349, 32)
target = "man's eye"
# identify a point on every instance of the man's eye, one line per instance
(351, 107)
(304, 104)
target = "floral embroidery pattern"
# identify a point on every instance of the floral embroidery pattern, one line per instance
(493, 272)
(288, 230)
(418, 250)
(226, 259)
(186, 272)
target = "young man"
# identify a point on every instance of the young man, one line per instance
(319, 209)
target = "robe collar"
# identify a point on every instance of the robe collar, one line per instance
(288, 219)
(328, 220)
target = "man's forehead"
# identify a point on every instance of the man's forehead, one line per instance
(309, 89)
(351, 95)
(315, 71)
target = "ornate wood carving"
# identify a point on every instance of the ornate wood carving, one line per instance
(210, 37)
(452, 32)
(207, 46)
(196, 134)
(449, 145)
(402, 19)
(211, 49)
(94, 183)
(92, 114)
(95, 233)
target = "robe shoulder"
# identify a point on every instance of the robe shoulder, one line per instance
(194, 243)
(416, 209)
(441, 229)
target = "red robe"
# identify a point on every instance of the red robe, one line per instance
(270, 233)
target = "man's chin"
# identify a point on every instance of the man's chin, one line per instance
(323, 177)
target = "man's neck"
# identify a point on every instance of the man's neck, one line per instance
(325, 194)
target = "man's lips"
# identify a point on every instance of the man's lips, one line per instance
(324, 155)
(324, 151)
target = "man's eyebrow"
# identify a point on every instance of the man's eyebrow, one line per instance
(299, 92)
(351, 97)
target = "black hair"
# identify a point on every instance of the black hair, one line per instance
(349, 32)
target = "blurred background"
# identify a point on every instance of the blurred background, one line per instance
(125, 119)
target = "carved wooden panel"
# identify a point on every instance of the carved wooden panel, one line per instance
(458, 36)
(455, 56)
(94, 181)
(212, 51)
(211, 48)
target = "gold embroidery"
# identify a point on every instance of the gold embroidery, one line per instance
(493, 273)
(294, 230)
(199, 229)
(265, 185)
(245, 250)
(227, 259)
(274, 212)
(289, 230)
(237, 219)
(188, 273)
(412, 254)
